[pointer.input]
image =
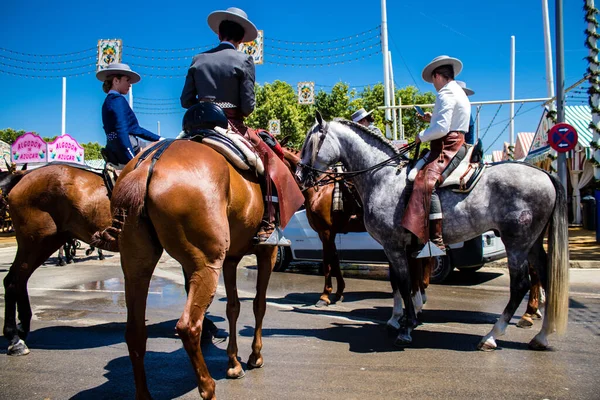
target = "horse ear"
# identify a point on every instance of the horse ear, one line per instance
(319, 118)
(24, 167)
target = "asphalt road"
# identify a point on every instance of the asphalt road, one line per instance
(342, 351)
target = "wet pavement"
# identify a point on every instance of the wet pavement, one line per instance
(343, 351)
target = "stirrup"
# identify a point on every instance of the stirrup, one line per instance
(430, 250)
(276, 239)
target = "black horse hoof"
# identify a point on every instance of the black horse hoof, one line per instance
(61, 263)
(403, 339)
(18, 349)
(101, 257)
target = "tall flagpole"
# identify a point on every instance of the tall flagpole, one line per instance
(64, 106)
(560, 87)
(548, 52)
(386, 68)
(512, 94)
(393, 96)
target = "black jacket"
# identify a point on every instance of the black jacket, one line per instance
(223, 73)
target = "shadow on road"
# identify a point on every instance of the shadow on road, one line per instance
(169, 375)
(377, 338)
(470, 278)
(89, 337)
(310, 298)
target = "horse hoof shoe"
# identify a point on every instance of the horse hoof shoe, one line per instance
(252, 365)
(536, 345)
(393, 325)
(525, 323)
(233, 374)
(488, 345)
(321, 303)
(18, 349)
(403, 340)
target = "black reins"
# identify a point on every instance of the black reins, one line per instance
(330, 176)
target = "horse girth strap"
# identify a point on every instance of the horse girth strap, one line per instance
(159, 148)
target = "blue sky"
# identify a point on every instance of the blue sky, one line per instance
(476, 32)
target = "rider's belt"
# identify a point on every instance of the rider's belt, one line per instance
(222, 104)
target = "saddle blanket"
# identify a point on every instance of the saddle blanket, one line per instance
(465, 175)
(235, 148)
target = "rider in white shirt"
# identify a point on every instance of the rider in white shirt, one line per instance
(448, 124)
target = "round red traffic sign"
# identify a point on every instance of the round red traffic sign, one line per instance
(562, 137)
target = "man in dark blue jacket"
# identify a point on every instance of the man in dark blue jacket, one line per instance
(120, 123)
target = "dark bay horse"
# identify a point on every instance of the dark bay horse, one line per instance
(328, 223)
(515, 199)
(48, 206)
(204, 213)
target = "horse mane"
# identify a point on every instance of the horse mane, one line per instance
(370, 132)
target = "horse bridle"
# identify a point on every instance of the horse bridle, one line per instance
(333, 176)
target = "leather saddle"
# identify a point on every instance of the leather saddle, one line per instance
(206, 123)
(468, 172)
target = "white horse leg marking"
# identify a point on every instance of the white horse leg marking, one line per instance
(424, 296)
(397, 312)
(488, 342)
(418, 302)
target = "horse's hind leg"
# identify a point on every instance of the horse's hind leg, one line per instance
(533, 303)
(266, 259)
(519, 285)
(139, 256)
(29, 257)
(234, 368)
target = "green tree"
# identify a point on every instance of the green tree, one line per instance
(9, 135)
(373, 97)
(278, 100)
(411, 95)
(48, 139)
(92, 150)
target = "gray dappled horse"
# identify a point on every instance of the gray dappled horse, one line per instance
(517, 200)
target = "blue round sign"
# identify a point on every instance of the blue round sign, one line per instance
(562, 137)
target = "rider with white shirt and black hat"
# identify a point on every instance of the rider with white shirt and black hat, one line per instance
(448, 124)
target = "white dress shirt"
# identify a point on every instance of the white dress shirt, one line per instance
(452, 112)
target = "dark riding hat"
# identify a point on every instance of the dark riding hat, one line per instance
(204, 115)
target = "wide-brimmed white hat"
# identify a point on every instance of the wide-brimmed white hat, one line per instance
(438, 62)
(360, 114)
(118, 69)
(468, 92)
(236, 15)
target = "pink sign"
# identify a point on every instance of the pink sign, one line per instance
(65, 149)
(29, 148)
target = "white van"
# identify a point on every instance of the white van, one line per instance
(362, 248)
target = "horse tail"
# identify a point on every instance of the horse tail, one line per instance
(557, 297)
(127, 201)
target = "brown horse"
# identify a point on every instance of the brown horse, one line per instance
(48, 206)
(327, 224)
(204, 213)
